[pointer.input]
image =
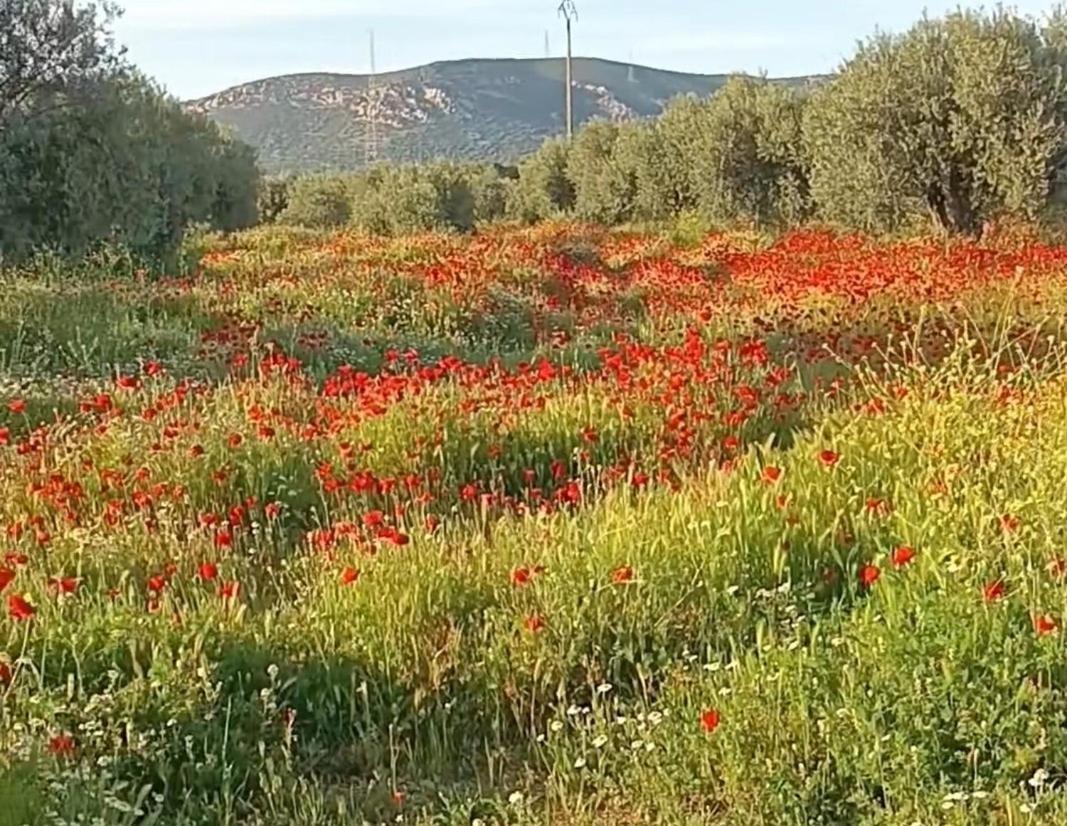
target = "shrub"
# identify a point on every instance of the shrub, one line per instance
(317, 202)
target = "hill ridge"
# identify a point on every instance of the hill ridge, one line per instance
(489, 109)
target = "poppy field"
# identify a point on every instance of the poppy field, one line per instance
(548, 526)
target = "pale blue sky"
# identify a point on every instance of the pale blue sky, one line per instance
(195, 47)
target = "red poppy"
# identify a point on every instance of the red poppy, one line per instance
(5, 673)
(7, 576)
(229, 590)
(64, 584)
(235, 440)
(1009, 523)
(62, 745)
(771, 474)
(1044, 624)
(208, 571)
(521, 576)
(1057, 568)
(17, 406)
(902, 556)
(869, 575)
(350, 575)
(19, 609)
(272, 510)
(157, 583)
(994, 591)
(709, 720)
(534, 623)
(622, 575)
(829, 458)
(223, 540)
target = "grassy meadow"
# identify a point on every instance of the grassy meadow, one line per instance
(549, 526)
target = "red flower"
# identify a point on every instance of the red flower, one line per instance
(534, 623)
(1056, 568)
(6, 578)
(223, 539)
(622, 575)
(229, 590)
(869, 575)
(829, 458)
(1044, 625)
(208, 571)
(902, 556)
(350, 576)
(771, 474)
(639, 480)
(994, 591)
(64, 584)
(157, 583)
(272, 510)
(235, 440)
(19, 609)
(709, 720)
(5, 673)
(62, 745)
(521, 576)
(17, 406)
(1009, 523)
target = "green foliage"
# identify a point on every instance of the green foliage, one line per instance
(118, 163)
(960, 119)
(743, 155)
(272, 199)
(317, 202)
(543, 189)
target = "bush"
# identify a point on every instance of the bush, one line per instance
(117, 162)
(317, 202)
(272, 199)
(543, 189)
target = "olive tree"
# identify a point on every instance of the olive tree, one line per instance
(958, 119)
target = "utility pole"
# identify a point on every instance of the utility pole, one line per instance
(548, 45)
(570, 13)
(372, 108)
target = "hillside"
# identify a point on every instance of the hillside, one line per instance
(468, 109)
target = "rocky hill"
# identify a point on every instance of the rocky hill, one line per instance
(464, 110)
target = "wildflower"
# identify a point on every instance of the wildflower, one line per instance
(622, 575)
(272, 510)
(19, 609)
(5, 673)
(829, 458)
(1009, 523)
(709, 720)
(64, 584)
(17, 406)
(534, 623)
(62, 745)
(994, 591)
(208, 571)
(157, 583)
(229, 590)
(869, 575)
(1044, 624)
(521, 576)
(771, 474)
(902, 556)
(350, 575)
(7, 576)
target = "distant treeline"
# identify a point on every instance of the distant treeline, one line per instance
(92, 153)
(957, 121)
